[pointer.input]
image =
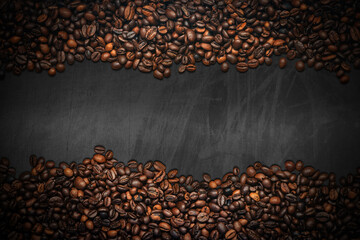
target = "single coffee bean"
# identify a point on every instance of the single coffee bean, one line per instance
(65, 12)
(60, 67)
(322, 217)
(89, 225)
(300, 66)
(231, 58)
(159, 166)
(255, 196)
(242, 67)
(202, 217)
(225, 67)
(230, 234)
(99, 149)
(308, 171)
(191, 36)
(159, 75)
(345, 79)
(282, 62)
(116, 65)
(68, 172)
(164, 227)
(253, 63)
(299, 165)
(70, 59)
(250, 171)
(289, 165)
(99, 158)
(112, 233)
(52, 71)
(275, 200)
(71, 43)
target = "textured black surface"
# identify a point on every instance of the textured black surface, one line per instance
(198, 122)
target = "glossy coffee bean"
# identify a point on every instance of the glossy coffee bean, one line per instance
(225, 67)
(282, 62)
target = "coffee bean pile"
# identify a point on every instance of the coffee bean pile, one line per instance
(102, 198)
(151, 35)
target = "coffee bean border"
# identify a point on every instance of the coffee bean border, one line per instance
(103, 198)
(151, 35)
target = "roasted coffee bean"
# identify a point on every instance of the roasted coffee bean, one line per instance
(242, 67)
(99, 158)
(253, 63)
(65, 12)
(99, 149)
(91, 30)
(52, 71)
(116, 65)
(191, 36)
(250, 171)
(60, 67)
(299, 46)
(275, 200)
(344, 79)
(291, 54)
(95, 56)
(282, 62)
(322, 217)
(164, 226)
(289, 165)
(159, 75)
(308, 171)
(300, 66)
(202, 217)
(159, 166)
(231, 58)
(259, 52)
(80, 183)
(230, 234)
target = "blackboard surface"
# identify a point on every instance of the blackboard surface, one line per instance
(205, 121)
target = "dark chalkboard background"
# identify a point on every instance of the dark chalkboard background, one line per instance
(198, 122)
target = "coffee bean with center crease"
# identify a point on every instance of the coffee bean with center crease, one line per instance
(231, 58)
(159, 166)
(242, 67)
(99, 149)
(230, 234)
(202, 217)
(159, 75)
(164, 226)
(191, 36)
(253, 63)
(289, 165)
